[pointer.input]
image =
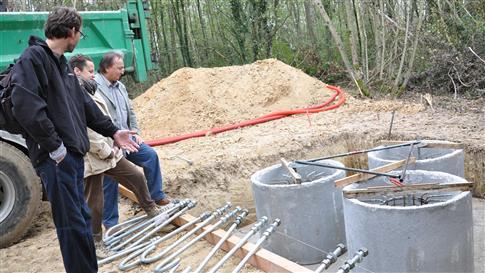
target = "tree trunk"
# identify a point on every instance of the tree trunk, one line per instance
(239, 27)
(414, 47)
(294, 11)
(186, 34)
(383, 40)
(173, 31)
(340, 45)
(363, 39)
(204, 31)
(271, 29)
(403, 55)
(310, 22)
(352, 28)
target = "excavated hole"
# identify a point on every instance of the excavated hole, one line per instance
(224, 180)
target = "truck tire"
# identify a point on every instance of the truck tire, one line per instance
(20, 194)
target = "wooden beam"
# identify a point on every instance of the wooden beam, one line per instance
(425, 144)
(444, 145)
(295, 176)
(365, 176)
(127, 193)
(263, 259)
(354, 193)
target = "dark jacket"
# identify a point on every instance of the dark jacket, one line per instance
(50, 105)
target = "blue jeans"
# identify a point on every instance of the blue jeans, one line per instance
(147, 158)
(64, 185)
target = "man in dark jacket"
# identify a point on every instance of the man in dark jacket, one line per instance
(54, 112)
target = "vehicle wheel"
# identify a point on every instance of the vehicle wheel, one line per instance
(20, 194)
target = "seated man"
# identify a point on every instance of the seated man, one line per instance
(114, 93)
(104, 158)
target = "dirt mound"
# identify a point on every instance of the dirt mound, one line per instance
(197, 99)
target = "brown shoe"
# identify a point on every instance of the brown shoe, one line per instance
(163, 202)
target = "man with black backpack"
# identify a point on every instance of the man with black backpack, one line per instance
(54, 113)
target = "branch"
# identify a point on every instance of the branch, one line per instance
(454, 85)
(476, 54)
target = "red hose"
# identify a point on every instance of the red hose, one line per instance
(271, 116)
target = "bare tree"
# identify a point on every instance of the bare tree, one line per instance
(340, 45)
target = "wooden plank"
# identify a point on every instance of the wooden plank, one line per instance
(354, 193)
(425, 144)
(127, 193)
(264, 260)
(445, 145)
(295, 176)
(365, 176)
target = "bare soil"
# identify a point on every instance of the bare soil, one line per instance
(196, 99)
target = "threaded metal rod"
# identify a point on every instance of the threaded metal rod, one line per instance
(216, 247)
(196, 239)
(349, 264)
(331, 258)
(261, 240)
(145, 259)
(126, 264)
(241, 242)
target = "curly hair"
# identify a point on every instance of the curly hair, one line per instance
(60, 22)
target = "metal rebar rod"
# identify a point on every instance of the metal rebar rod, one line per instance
(117, 229)
(403, 173)
(215, 226)
(144, 256)
(257, 226)
(125, 231)
(123, 253)
(364, 151)
(160, 219)
(170, 266)
(175, 267)
(145, 259)
(349, 264)
(216, 247)
(390, 125)
(126, 264)
(130, 223)
(331, 258)
(187, 269)
(346, 169)
(261, 240)
(189, 206)
(113, 243)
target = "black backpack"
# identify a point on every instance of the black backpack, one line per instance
(7, 119)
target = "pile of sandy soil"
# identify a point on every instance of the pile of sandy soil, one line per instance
(198, 99)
